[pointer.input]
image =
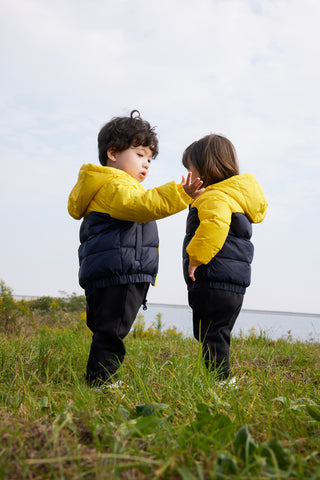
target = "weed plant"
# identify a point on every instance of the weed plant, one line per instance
(169, 419)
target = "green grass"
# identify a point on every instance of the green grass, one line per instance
(169, 420)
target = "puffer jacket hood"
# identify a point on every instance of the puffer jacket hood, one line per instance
(90, 180)
(246, 191)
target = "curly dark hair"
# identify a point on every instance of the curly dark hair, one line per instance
(215, 158)
(125, 132)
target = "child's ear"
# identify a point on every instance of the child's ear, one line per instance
(112, 154)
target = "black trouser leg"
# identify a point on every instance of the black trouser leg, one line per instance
(111, 312)
(214, 315)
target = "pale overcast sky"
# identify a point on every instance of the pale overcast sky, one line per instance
(248, 69)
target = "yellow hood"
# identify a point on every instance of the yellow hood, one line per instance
(242, 190)
(91, 178)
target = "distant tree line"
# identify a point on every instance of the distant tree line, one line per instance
(11, 310)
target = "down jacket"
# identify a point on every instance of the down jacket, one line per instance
(218, 233)
(118, 235)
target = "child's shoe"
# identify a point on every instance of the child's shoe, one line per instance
(105, 386)
(228, 382)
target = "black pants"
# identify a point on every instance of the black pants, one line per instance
(214, 315)
(111, 312)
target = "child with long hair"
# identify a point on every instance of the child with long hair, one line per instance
(217, 250)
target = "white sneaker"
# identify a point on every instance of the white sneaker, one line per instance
(107, 386)
(116, 384)
(229, 382)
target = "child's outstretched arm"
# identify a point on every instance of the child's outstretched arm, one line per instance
(118, 194)
(192, 188)
(125, 199)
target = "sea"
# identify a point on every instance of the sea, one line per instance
(287, 325)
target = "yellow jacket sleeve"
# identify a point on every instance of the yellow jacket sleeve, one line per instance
(215, 218)
(125, 199)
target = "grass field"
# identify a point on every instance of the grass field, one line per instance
(168, 420)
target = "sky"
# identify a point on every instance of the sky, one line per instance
(246, 69)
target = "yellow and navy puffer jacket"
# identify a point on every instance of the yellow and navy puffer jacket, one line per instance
(218, 233)
(118, 235)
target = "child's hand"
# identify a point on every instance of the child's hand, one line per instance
(192, 269)
(193, 189)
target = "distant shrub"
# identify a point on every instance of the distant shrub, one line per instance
(42, 303)
(9, 311)
(138, 326)
(155, 330)
(72, 303)
(157, 324)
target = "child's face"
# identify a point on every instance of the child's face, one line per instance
(134, 160)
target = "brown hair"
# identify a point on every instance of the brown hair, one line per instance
(215, 158)
(125, 132)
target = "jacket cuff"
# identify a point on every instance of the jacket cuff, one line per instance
(185, 197)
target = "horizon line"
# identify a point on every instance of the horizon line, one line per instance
(185, 306)
(249, 310)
